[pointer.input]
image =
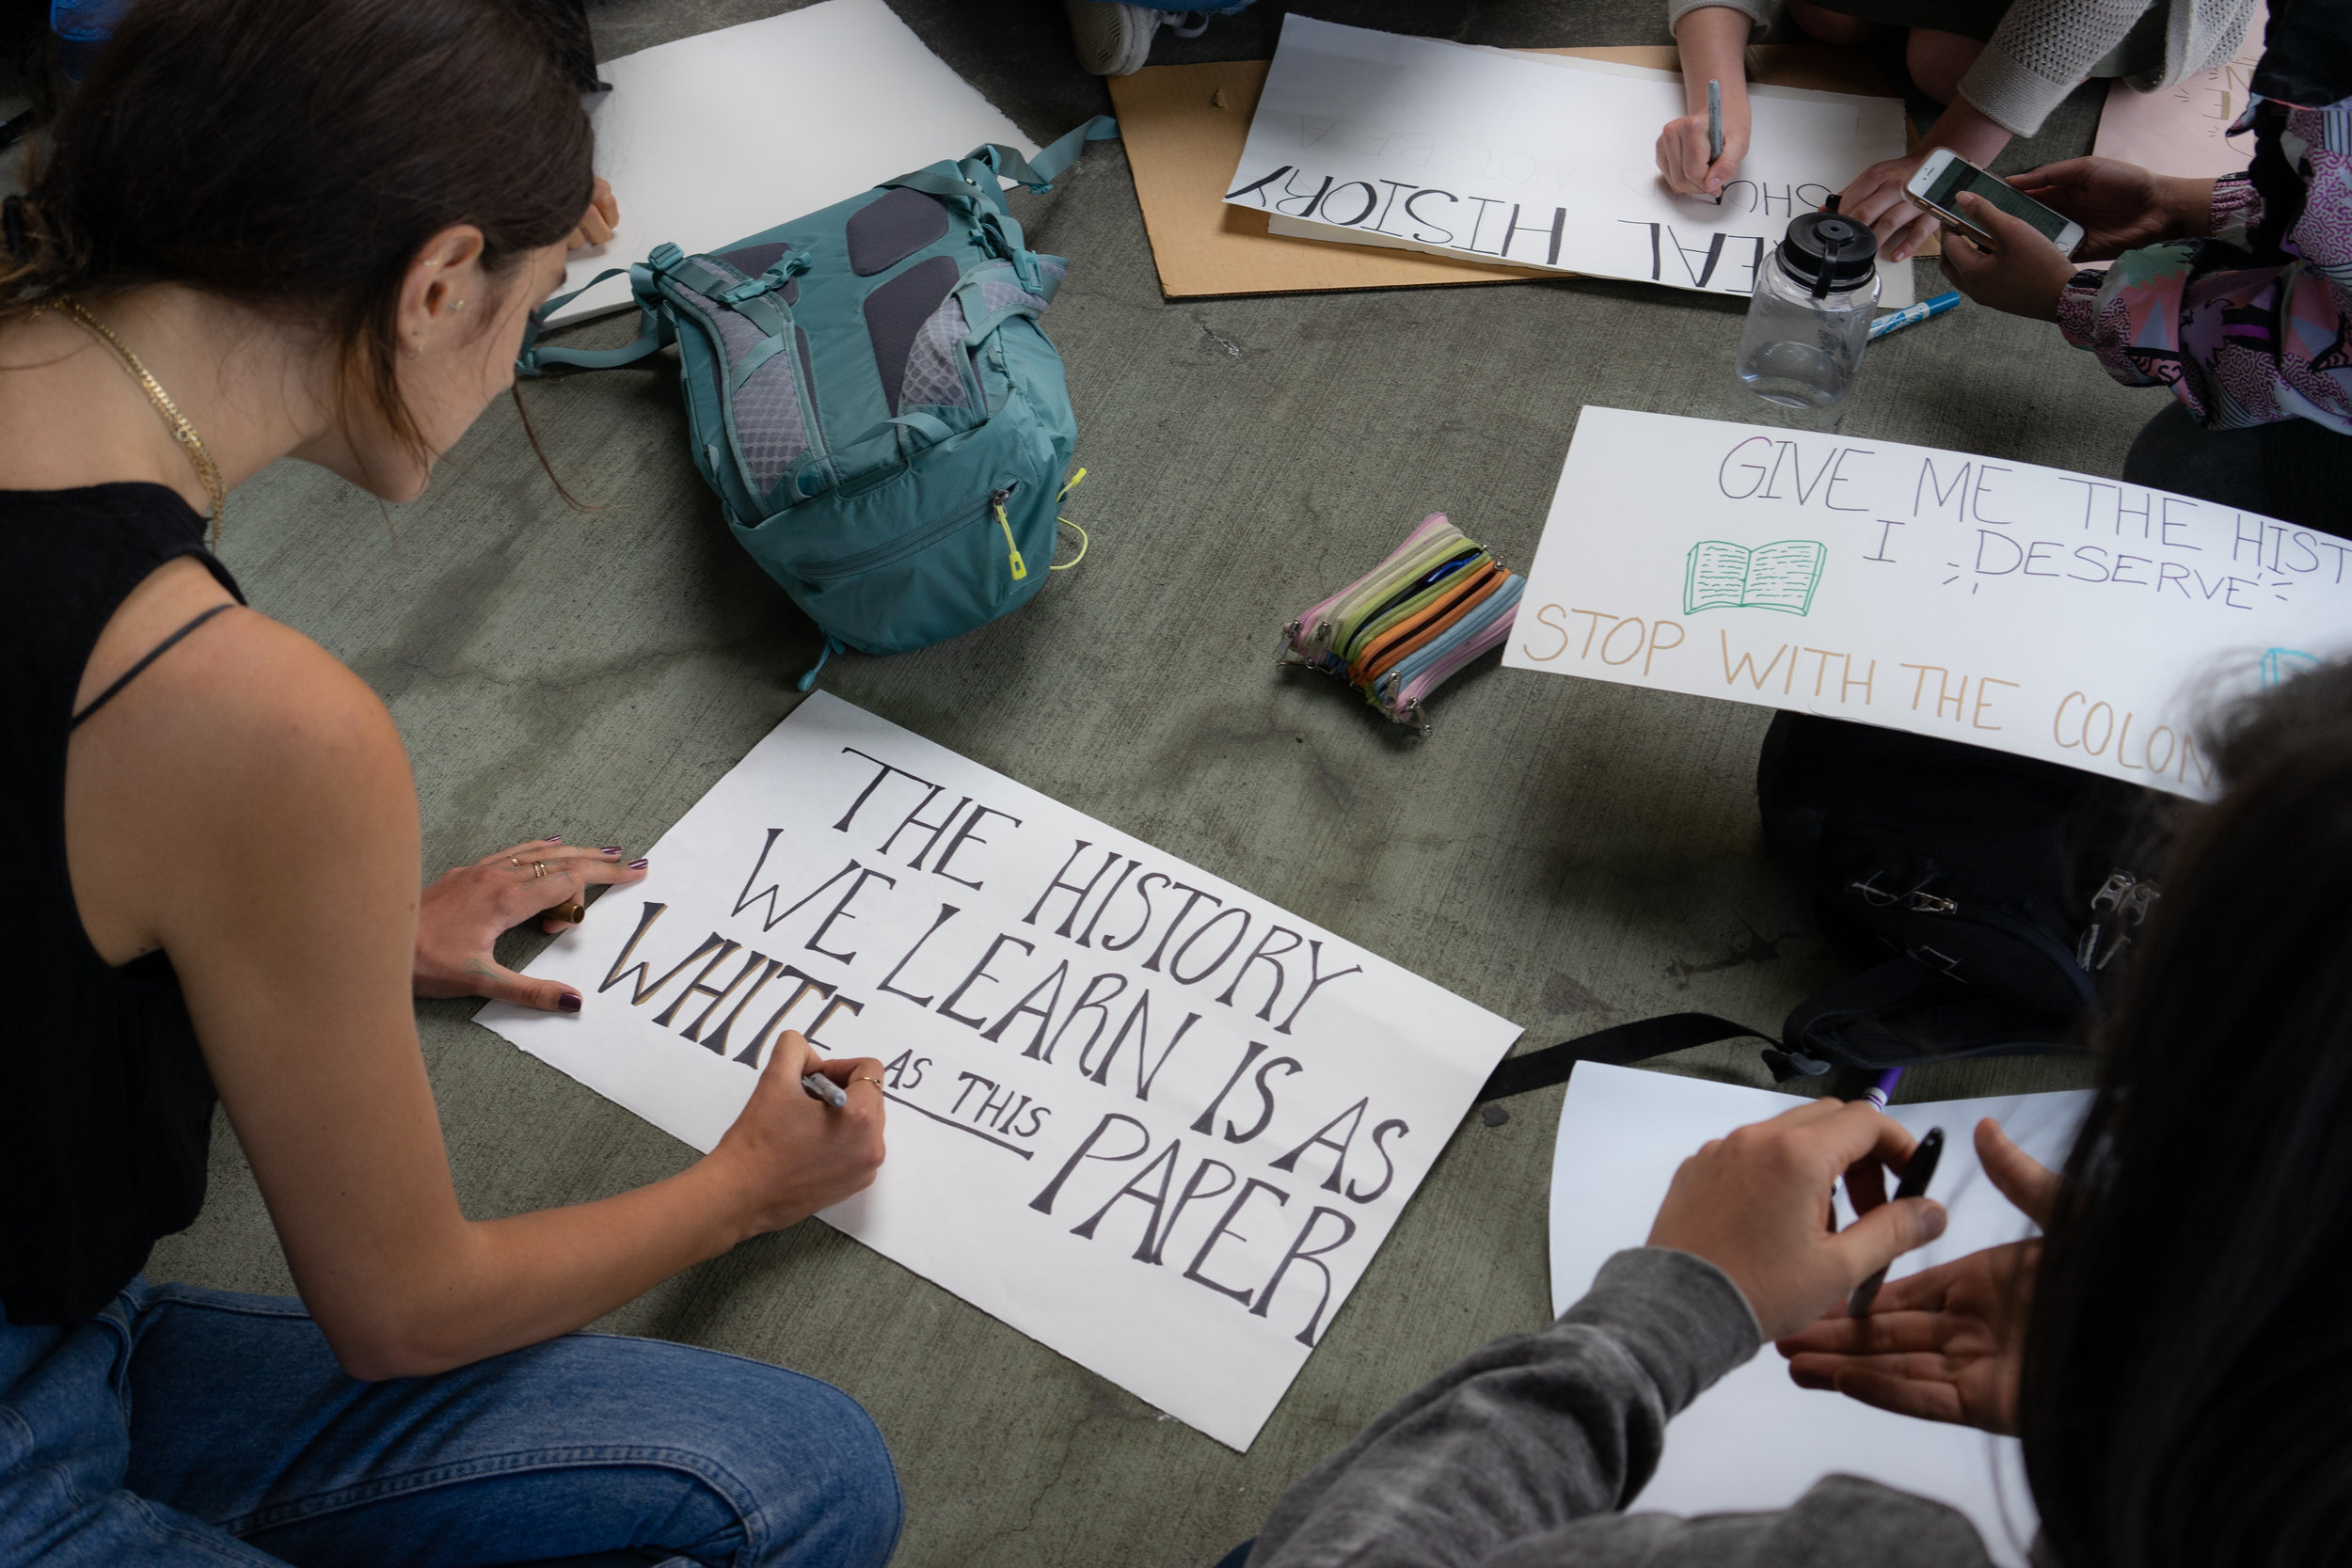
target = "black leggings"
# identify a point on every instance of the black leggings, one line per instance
(2295, 471)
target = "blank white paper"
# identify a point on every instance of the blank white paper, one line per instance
(718, 137)
(1756, 1440)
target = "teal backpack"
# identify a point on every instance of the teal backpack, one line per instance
(869, 393)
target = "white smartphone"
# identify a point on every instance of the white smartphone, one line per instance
(1944, 174)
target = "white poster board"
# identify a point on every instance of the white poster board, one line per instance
(715, 137)
(1535, 160)
(1756, 1440)
(2183, 129)
(1136, 1113)
(2037, 611)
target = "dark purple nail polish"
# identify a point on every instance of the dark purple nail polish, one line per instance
(554, 838)
(639, 864)
(611, 849)
(568, 1002)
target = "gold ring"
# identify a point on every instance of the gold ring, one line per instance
(538, 868)
(870, 1078)
(513, 861)
(575, 911)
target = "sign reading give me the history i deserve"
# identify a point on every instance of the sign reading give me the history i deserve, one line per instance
(2050, 614)
(1135, 1112)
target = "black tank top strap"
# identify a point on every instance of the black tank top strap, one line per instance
(152, 655)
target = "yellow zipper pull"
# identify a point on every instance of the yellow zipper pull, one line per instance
(1073, 485)
(1020, 567)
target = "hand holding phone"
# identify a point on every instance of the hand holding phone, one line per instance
(2013, 268)
(1944, 175)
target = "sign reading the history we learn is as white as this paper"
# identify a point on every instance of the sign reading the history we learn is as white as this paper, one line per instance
(2046, 613)
(1535, 160)
(1138, 1114)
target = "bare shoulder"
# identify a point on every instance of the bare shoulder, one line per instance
(258, 728)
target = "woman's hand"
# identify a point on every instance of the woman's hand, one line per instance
(1876, 198)
(464, 910)
(1876, 195)
(1942, 1344)
(602, 217)
(1713, 44)
(2119, 205)
(2018, 271)
(791, 1155)
(1756, 1205)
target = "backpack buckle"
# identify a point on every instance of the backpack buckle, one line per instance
(768, 283)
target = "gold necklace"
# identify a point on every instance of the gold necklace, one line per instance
(181, 431)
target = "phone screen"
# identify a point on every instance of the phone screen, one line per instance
(1957, 175)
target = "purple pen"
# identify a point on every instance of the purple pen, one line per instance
(1883, 1087)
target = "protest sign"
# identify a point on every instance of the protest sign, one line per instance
(1135, 1112)
(2050, 614)
(1535, 160)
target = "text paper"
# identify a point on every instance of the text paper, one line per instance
(1135, 1112)
(2183, 129)
(1535, 160)
(2026, 609)
(1756, 1440)
(717, 137)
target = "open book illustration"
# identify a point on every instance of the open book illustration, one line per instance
(1779, 575)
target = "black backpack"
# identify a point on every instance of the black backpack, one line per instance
(1984, 897)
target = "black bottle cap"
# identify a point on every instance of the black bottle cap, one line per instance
(1827, 251)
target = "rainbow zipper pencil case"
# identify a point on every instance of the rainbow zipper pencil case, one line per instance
(1406, 626)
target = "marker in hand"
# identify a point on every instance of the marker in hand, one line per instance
(1915, 1184)
(821, 1088)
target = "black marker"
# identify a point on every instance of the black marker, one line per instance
(1915, 1184)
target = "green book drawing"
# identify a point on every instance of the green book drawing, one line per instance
(1779, 575)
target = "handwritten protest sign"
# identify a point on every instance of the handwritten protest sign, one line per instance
(1535, 160)
(2184, 127)
(2046, 613)
(1133, 1111)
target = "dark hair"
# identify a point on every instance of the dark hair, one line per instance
(295, 156)
(2187, 1388)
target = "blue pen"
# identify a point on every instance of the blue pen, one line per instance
(1910, 313)
(1714, 121)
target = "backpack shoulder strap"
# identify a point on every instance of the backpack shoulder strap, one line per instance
(535, 356)
(1038, 173)
(1619, 1046)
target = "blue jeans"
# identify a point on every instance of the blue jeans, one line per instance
(191, 1426)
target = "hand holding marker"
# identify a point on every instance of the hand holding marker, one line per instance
(1916, 1175)
(1714, 126)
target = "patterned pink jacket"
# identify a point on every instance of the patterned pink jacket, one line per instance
(2245, 327)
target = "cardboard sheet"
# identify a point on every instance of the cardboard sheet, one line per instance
(1185, 128)
(1135, 1112)
(1756, 1440)
(724, 133)
(2183, 129)
(2050, 614)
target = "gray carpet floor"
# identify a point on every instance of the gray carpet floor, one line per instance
(1568, 854)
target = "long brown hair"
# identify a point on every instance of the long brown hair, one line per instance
(2184, 1402)
(295, 156)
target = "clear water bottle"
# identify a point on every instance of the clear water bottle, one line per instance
(1811, 312)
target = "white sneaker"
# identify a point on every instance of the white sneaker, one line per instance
(1114, 39)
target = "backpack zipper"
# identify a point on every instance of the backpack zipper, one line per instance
(908, 544)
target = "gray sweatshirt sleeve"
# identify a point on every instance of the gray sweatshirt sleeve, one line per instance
(1759, 13)
(2042, 51)
(1525, 1434)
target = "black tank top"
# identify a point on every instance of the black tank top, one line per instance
(106, 1105)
